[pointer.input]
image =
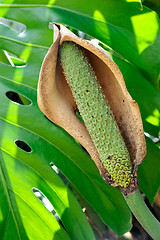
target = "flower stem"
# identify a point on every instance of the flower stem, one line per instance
(143, 215)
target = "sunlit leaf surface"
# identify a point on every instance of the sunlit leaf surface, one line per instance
(132, 32)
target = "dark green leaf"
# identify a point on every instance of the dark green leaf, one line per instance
(132, 31)
(58, 147)
(48, 142)
(148, 99)
(148, 172)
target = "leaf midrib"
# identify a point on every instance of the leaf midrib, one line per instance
(23, 43)
(59, 196)
(82, 170)
(9, 200)
(18, 83)
(36, 134)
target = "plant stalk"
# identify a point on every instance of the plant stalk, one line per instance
(143, 215)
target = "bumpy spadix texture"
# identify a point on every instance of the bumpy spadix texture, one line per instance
(96, 113)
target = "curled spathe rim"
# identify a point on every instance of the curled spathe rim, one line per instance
(56, 101)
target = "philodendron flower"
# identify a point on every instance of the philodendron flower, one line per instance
(59, 99)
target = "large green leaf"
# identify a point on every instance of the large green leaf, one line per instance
(21, 171)
(14, 121)
(125, 33)
(48, 142)
(144, 93)
(149, 181)
(132, 31)
(57, 147)
(22, 214)
(148, 99)
(153, 4)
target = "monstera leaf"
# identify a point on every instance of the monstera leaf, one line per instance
(30, 144)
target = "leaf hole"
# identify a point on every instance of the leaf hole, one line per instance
(11, 59)
(18, 98)
(60, 174)
(20, 28)
(153, 138)
(54, 167)
(24, 146)
(44, 200)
